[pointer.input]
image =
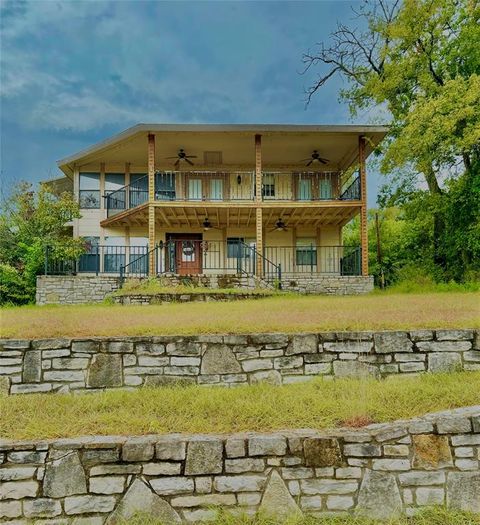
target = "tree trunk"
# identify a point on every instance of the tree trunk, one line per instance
(438, 220)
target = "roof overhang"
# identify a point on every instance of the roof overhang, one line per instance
(282, 144)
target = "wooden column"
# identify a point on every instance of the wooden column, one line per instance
(151, 199)
(102, 186)
(363, 209)
(258, 199)
(127, 182)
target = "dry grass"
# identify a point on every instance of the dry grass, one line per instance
(317, 404)
(430, 516)
(276, 314)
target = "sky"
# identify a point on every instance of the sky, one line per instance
(75, 72)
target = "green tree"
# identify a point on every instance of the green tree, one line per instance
(420, 60)
(29, 223)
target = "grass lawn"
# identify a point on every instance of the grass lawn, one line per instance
(431, 516)
(317, 404)
(289, 313)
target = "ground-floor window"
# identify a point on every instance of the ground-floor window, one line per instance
(235, 247)
(114, 254)
(306, 252)
(90, 260)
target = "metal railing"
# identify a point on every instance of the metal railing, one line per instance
(351, 189)
(191, 257)
(196, 257)
(312, 259)
(127, 197)
(219, 186)
(97, 259)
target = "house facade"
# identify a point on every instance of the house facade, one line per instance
(263, 201)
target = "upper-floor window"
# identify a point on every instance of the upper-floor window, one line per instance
(268, 185)
(89, 191)
(325, 189)
(114, 183)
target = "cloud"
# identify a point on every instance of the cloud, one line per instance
(74, 72)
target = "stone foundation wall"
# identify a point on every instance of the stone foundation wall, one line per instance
(78, 289)
(74, 289)
(378, 471)
(62, 365)
(328, 284)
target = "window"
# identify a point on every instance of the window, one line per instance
(138, 189)
(114, 254)
(325, 189)
(89, 190)
(165, 186)
(268, 185)
(114, 189)
(216, 189)
(236, 248)
(305, 189)
(90, 261)
(195, 189)
(306, 252)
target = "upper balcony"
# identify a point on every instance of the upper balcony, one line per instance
(237, 187)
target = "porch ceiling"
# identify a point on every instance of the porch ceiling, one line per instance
(237, 216)
(282, 145)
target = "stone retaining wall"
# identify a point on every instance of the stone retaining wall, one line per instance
(74, 289)
(78, 289)
(378, 471)
(328, 284)
(62, 365)
(176, 297)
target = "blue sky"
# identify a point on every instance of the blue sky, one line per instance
(75, 72)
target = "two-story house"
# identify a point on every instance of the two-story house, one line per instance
(260, 200)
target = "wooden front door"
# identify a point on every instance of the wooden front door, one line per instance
(188, 253)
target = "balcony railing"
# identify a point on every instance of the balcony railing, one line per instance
(194, 257)
(237, 186)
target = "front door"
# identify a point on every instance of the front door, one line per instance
(188, 253)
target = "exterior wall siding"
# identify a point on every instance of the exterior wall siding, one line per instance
(88, 364)
(378, 471)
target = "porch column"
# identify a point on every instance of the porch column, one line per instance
(151, 199)
(258, 199)
(363, 208)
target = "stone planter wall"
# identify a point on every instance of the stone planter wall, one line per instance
(62, 365)
(378, 471)
(172, 297)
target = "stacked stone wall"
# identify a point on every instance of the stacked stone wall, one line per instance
(74, 289)
(62, 365)
(78, 289)
(379, 471)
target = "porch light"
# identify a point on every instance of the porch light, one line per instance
(206, 224)
(239, 179)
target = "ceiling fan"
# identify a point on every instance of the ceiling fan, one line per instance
(181, 155)
(280, 226)
(315, 157)
(207, 225)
